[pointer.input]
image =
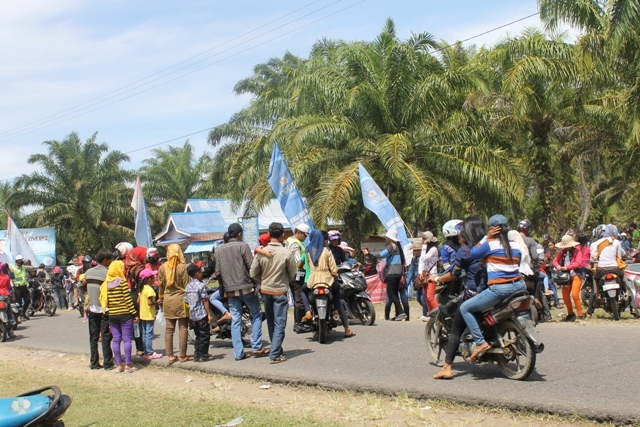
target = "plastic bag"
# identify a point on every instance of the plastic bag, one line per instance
(160, 320)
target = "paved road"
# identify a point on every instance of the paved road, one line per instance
(591, 370)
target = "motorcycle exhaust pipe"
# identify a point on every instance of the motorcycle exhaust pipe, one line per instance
(540, 348)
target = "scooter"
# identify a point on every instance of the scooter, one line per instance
(35, 408)
(356, 302)
(322, 307)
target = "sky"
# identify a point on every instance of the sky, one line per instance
(149, 73)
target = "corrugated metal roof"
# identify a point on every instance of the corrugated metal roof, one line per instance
(205, 246)
(201, 222)
(268, 214)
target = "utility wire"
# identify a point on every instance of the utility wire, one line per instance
(156, 73)
(207, 129)
(185, 74)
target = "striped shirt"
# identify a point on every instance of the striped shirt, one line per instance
(500, 269)
(119, 298)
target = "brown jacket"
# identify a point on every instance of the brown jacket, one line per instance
(173, 304)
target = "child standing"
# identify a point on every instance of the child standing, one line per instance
(147, 302)
(200, 316)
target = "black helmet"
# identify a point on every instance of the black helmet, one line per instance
(87, 259)
(525, 226)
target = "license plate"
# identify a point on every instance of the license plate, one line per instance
(610, 285)
(321, 302)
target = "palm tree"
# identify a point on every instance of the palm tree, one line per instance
(388, 104)
(80, 189)
(171, 177)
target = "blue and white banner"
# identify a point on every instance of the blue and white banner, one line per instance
(35, 244)
(142, 229)
(287, 193)
(375, 200)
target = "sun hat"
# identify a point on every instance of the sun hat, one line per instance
(567, 242)
(392, 234)
(498, 220)
(345, 247)
(429, 237)
(416, 246)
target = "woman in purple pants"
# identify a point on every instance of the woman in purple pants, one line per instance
(116, 301)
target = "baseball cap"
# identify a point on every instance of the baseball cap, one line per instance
(498, 220)
(19, 258)
(146, 273)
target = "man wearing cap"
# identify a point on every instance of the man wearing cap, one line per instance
(98, 320)
(275, 275)
(21, 285)
(232, 269)
(296, 246)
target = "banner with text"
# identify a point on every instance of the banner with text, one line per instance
(41, 240)
(281, 181)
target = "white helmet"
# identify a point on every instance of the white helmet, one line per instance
(124, 248)
(451, 228)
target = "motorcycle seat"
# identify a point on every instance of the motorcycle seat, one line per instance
(18, 411)
(508, 299)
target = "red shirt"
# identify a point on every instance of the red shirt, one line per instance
(5, 285)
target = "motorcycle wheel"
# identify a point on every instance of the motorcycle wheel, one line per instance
(615, 313)
(367, 311)
(585, 294)
(434, 338)
(4, 331)
(30, 311)
(535, 316)
(50, 306)
(519, 359)
(322, 331)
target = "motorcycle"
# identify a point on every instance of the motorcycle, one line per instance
(224, 329)
(508, 327)
(35, 409)
(322, 307)
(610, 290)
(7, 325)
(370, 267)
(42, 299)
(355, 300)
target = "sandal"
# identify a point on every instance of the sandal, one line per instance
(479, 351)
(278, 359)
(185, 359)
(245, 356)
(350, 334)
(206, 358)
(172, 360)
(443, 376)
(119, 369)
(262, 352)
(140, 353)
(130, 369)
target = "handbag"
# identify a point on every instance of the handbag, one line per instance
(561, 277)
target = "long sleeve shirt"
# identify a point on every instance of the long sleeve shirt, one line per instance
(500, 269)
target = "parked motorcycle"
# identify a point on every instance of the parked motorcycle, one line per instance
(609, 289)
(356, 302)
(42, 299)
(322, 307)
(35, 408)
(507, 327)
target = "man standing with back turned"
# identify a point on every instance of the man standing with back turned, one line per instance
(275, 274)
(232, 269)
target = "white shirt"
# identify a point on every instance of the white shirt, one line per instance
(609, 255)
(428, 259)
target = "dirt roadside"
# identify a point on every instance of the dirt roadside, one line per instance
(339, 407)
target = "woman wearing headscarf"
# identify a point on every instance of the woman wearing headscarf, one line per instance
(133, 265)
(116, 300)
(570, 259)
(173, 278)
(393, 272)
(323, 269)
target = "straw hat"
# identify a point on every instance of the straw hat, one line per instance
(416, 246)
(567, 242)
(429, 237)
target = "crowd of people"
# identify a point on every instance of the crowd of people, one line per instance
(122, 292)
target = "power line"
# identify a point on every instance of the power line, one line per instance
(158, 72)
(187, 73)
(282, 35)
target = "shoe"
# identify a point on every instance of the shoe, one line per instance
(139, 353)
(206, 358)
(109, 367)
(156, 356)
(400, 316)
(570, 318)
(130, 369)
(244, 356)
(278, 359)
(424, 318)
(147, 357)
(93, 368)
(119, 369)
(225, 318)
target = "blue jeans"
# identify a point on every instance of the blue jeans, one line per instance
(235, 307)
(547, 280)
(485, 300)
(147, 336)
(216, 301)
(422, 300)
(61, 298)
(275, 308)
